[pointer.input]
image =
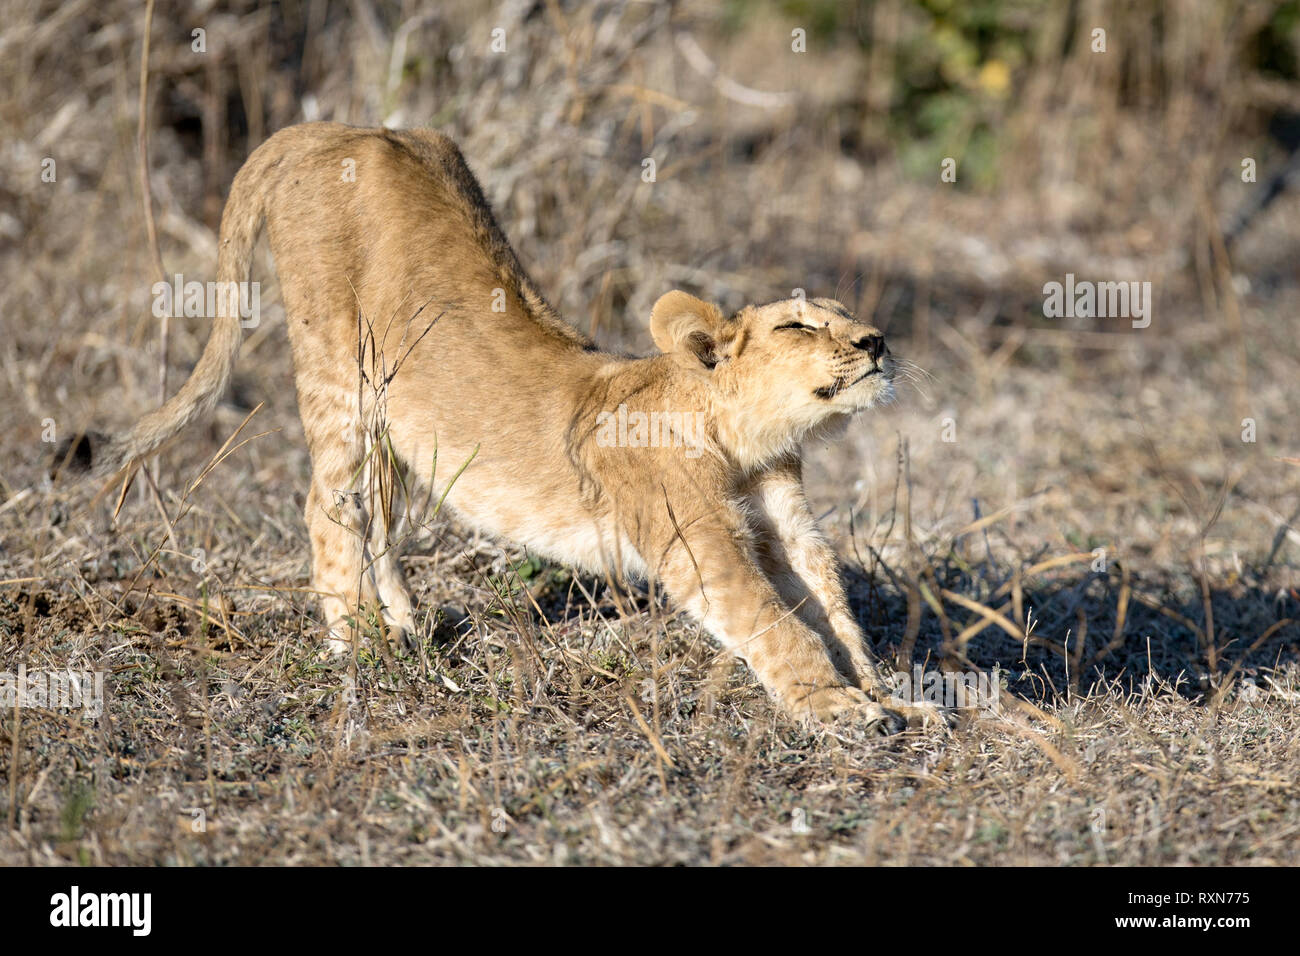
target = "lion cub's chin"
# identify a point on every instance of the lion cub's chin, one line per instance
(833, 426)
(875, 390)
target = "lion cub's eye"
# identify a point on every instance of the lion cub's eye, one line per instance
(795, 325)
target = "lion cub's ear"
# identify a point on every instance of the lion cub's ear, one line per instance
(690, 329)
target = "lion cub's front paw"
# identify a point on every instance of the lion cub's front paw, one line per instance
(925, 714)
(851, 704)
(922, 713)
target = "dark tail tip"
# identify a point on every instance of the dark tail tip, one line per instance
(76, 455)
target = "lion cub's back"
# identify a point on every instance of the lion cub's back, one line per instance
(374, 186)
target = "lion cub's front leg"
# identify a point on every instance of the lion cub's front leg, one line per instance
(710, 569)
(805, 571)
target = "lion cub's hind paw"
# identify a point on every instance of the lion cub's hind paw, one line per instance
(333, 648)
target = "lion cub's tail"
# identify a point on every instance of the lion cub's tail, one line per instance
(240, 224)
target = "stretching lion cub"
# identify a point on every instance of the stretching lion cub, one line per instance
(410, 318)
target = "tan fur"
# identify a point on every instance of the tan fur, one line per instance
(400, 269)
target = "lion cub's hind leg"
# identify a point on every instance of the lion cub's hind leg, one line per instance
(336, 522)
(355, 567)
(385, 570)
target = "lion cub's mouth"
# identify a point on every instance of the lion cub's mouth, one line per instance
(828, 392)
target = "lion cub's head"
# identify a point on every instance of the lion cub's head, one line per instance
(778, 371)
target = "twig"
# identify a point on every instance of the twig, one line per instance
(700, 62)
(146, 192)
(151, 229)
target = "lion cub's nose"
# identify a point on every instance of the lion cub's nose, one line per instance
(873, 345)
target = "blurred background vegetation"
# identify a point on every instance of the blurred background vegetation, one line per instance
(1137, 147)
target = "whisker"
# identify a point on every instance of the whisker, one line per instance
(910, 378)
(913, 368)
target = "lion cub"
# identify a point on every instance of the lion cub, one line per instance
(418, 337)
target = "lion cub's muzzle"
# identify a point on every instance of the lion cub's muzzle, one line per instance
(870, 357)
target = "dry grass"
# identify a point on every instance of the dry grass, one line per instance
(1149, 711)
